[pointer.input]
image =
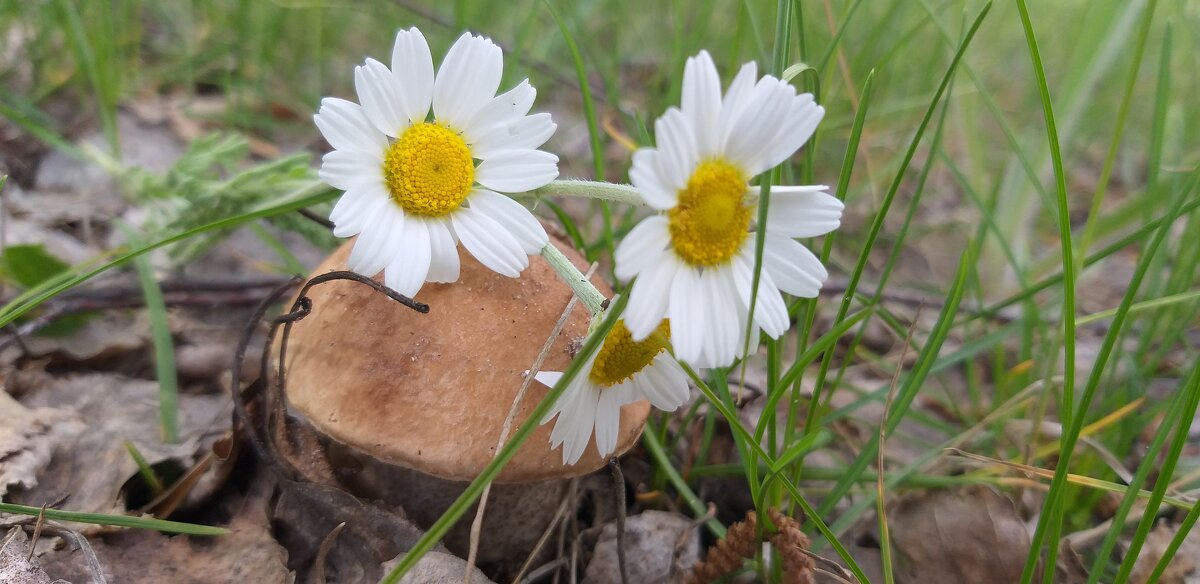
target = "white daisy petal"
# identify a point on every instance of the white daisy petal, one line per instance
(347, 169)
(677, 155)
(663, 383)
(407, 271)
(548, 378)
(649, 181)
(649, 298)
(467, 79)
(803, 211)
(514, 217)
(381, 95)
(793, 268)
(443, 251)
(701, 102)
(770, 312)
(755, 334)
(709, 352)
(755, 129)
(526, 133)
(798, 126)
(412, 65)
(643, 247)
(357, 205)
(608, 420)
(564, 405)
(503, 109)
(735, 100)
(675, 381)
(574, 426)
(489, 242)
(688, 315)
(724, 332)
(370, 253)
(516, 171)
(346, 127)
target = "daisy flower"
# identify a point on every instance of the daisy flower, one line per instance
(694, 261)
(622, 371)
(418, 182)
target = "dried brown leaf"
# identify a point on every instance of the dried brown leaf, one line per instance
(953, 536)
(1183, 567)
(15, 565)
(90, 470)
(28, 438)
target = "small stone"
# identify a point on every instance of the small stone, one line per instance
(438, 568)
(659, 547)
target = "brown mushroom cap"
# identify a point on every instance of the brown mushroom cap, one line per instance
(431, 391)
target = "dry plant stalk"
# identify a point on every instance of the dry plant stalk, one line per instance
(741, 542)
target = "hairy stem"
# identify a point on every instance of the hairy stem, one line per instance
(580, 285)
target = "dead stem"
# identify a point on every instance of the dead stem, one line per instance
(618, 478)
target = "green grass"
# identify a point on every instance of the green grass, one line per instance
(1060, 166)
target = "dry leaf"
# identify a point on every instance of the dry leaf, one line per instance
(90, 470)
(110, 335)
(1181, 570)
(15, 565)
(27, 440)
(960, 535)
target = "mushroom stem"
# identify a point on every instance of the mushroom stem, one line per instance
(580, 285)
(588, 189)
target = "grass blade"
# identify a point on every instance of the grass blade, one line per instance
(114, 520)
(164, 345)
(1050, 522)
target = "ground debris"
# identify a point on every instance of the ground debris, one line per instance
(90, 471)
(248, 553)
(1182, 569)
(659, 547)
(742, 542)
(16, 567)
(28, 438)
(952, 536)
(304, 515)
(438, 568)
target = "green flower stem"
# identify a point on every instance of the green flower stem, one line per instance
(580, 285)
(588, 189)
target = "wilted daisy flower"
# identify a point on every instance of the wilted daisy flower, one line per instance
(416, 184)
(622, 371)
(694, 263)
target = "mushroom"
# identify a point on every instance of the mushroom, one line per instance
(414, 403)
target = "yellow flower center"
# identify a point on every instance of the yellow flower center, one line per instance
(429, 170)
(621, 357)
(710, 221)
